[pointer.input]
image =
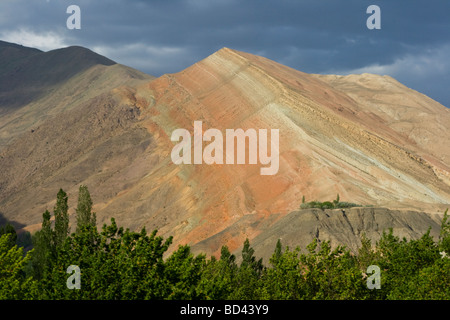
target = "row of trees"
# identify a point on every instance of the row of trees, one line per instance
(335, 204)
(121, 264)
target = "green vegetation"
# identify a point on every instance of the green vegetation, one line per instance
(335, 204)
(123, 264)
(22, 239)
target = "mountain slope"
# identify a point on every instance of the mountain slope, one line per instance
(110, 127)
(340, 227)
(13, 55)
(26, 74)
(416, 117)
(327, 146)
(36, 85)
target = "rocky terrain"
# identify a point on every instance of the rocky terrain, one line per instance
(339, 226)
(366, 137)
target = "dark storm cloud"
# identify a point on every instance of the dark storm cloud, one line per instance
(321, 36)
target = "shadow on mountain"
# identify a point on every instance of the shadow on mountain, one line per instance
(27, 73)
(4, 221)
(23, 238)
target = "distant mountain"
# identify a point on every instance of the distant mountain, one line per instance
(36, 84)
(13, 55)
(367, 138)
(26, 73)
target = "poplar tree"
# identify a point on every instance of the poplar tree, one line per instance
(11, 231)
(249, 260)
(61, 218)
(43, 247)
(85, 216)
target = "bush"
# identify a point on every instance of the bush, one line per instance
(336, 204)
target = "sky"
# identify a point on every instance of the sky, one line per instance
(314, 36)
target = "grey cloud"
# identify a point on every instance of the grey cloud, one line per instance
(312, 36)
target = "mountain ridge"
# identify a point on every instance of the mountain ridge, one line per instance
(28, 78)
(117, 141)
(77, 75)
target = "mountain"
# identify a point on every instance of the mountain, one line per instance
(26, 73)
(35, 85)
(365, 137)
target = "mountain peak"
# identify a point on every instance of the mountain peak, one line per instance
(31, 71)
(83, 56)
(4, 44)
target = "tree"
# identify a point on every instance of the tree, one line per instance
(10, 230)
(336, 202)
(277, 253)
(283, 280)
(366, 255)
(444, 236)
(13, 282)
(331, 273)
(248, 274)
(46, 241)
(43, 247)
(183, 272)
(219, 276)
(85, 216)
(61, 218)
(249, 260)
(326, 205)
(401, 261)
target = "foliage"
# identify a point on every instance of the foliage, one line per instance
(335, 204)
(444, 236)
(14, 284)
(62, 229)
(9, 229)
(85, 216)
(124, 264)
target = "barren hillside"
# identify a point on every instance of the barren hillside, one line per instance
(110, 127)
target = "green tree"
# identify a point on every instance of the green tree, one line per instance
(84, 214)
(219, 277)
(276, 256)
(249, 260)
(9, 229)
(115, 264)
(366, 253)
(326, 205)
(61, 218)
(402, 260)
(444, 236)
(43, 247)
(331, 274)
(336, 202)
(248, 274)
(183, 272)
(430, 283)
(13, 282)
(283, 280)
